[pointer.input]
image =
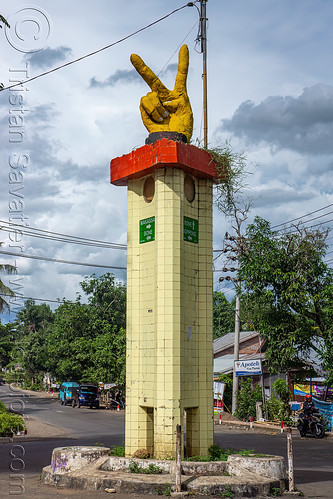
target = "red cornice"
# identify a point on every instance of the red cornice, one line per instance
(163, 153)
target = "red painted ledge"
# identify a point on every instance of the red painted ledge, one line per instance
(164, 152)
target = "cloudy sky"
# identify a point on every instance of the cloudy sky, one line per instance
(270, 83)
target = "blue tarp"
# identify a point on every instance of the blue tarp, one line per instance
(326, 409)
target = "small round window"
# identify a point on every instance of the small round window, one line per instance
(189, 188)
(149, 189)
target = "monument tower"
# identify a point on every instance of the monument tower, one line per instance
(169, 361)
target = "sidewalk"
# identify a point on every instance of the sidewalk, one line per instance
(36, 428)
(231, 422)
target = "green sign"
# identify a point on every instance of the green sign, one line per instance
(147, 230)
(191, 230)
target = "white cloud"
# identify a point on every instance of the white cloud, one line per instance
(303, 124)
(260, 58)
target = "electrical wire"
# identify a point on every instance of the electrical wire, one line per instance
(308, 226)
(181, 43)
(189, 4)
(36, 299)
(303, 216)
(312, 226)
(57, 236)
(56, 260)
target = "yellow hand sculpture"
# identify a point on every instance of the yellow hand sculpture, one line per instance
(163, 109)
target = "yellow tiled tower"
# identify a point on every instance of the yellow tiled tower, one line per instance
(169, 361)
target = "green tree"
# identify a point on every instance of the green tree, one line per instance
(5, 291)
(87, 341)
(107, 297)
(7, 333)
(31, 330)
(289, 291)
(33, 317)
(223, 315)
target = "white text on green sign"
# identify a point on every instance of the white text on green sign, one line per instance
(147, 230)
(191, 230)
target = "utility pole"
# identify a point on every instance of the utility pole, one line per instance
(236, 346)
(236, 248)
(203, 32)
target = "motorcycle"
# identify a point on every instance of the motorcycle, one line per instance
(311, 422)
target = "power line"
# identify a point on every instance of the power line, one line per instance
(57, 236)
(56, 260)
(36, 299)
(299, 218)
(311, 220)
(315, 225)
(189, 4)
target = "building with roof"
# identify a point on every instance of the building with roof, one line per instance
(251, 346)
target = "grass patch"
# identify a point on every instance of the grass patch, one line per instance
(118, 450)
(151, 469)
(165, 490)
(217, 453)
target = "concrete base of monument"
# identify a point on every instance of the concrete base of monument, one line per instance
(92, 468)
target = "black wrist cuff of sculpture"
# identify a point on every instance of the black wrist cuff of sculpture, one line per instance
(174, 136)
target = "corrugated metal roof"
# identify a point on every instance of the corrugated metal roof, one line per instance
(228, 340)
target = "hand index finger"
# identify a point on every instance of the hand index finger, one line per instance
(147, 74)
(183, 62)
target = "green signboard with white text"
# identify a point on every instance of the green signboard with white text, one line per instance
(147, 230)
(191, 230)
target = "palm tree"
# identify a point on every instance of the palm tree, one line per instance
(5, 290)
(5, 22)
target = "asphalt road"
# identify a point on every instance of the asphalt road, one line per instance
(313, 459)
(76, 422)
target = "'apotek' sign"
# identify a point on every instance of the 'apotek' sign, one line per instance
(248, 367)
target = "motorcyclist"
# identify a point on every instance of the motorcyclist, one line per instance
(308, 408)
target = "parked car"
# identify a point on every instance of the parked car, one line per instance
(86, 395)
(68, 392)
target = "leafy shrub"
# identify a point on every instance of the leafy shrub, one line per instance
(10, 424)
(3, 408)
(118, 450)
(218, 454)
(247, 399)
(228, 492)
(35, 387)
(164, 491)
(152, 469)
(278, 408)
(275, 409)
(281, 388)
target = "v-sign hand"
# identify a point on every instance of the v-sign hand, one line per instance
(163, 109)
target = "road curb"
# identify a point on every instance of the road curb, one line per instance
(91, 468)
